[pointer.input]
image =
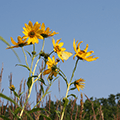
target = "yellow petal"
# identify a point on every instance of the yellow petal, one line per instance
(30, 24)
(19, 40)
(43, 27)
(47, 30)
(78, 87)
(13, 42)
(89, 53)
(86, 48)
(47, 71)
(53, 59)
(58, 41)
(78, 46)
(61, 44)
(74, 45)
(53, 41)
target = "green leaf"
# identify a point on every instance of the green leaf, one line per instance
(58, 113)
(41, 80)
(17, 110)
(72, 95)
(64, 78)
(73, 88)
(1, 38)
(20, 94)
(56, 78)
(42, 89)
(4, 118)
(29, 53)
(14, 115)
(29, 82)
(9, 99)
(66, 101)
(48, 118)
(23, 66)
(38, 109)
(16, 94)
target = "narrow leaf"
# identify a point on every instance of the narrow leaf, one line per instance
(73, 88)
(9, 99)
(29, 53)
(16, 94)
(23, 66)
(41, 80)
(58, 113)
(29, 82)
(38, 109)
(1, 38)
(72, 95)
(48, 118)
(20, 94)
(42, 89)
(4, 118)
(17, 110)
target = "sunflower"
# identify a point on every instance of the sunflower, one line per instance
(47, 33)
(20, 43)
(83, 54)
(62, 54)
(79, 84)
(52, 69)
(32, 32)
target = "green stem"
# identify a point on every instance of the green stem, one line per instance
(36, 65)
(42, 97)
(25, 57)
(51, 52)
(74, 70)
(43, 44)
(68, 87)
(31, 66)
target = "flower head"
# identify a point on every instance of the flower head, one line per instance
(12, 88)
(32, 32)
(62, 54)
(47, 33)
(79, 84)
(20, 43)
(52, 69)
(83, 54)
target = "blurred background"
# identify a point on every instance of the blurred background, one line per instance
(95, 22)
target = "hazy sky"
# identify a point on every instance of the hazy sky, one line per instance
(95, 22)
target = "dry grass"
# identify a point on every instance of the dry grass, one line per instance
(75, 110)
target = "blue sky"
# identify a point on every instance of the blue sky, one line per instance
(95, 22)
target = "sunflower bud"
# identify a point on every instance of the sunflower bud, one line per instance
(12, 88)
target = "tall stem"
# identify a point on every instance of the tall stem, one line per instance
(68, 87)
(43, 44)
(25, 57)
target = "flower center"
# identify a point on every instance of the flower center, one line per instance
(31, 34)
(54, 67)
(81, 52)
(44, 35)
(57, 48)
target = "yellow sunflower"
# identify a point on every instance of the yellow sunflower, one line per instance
(47, 33)
(20, 43)
(32, 32)
(79, 84)
(62, 54)
(52, 69)
(83, 54)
